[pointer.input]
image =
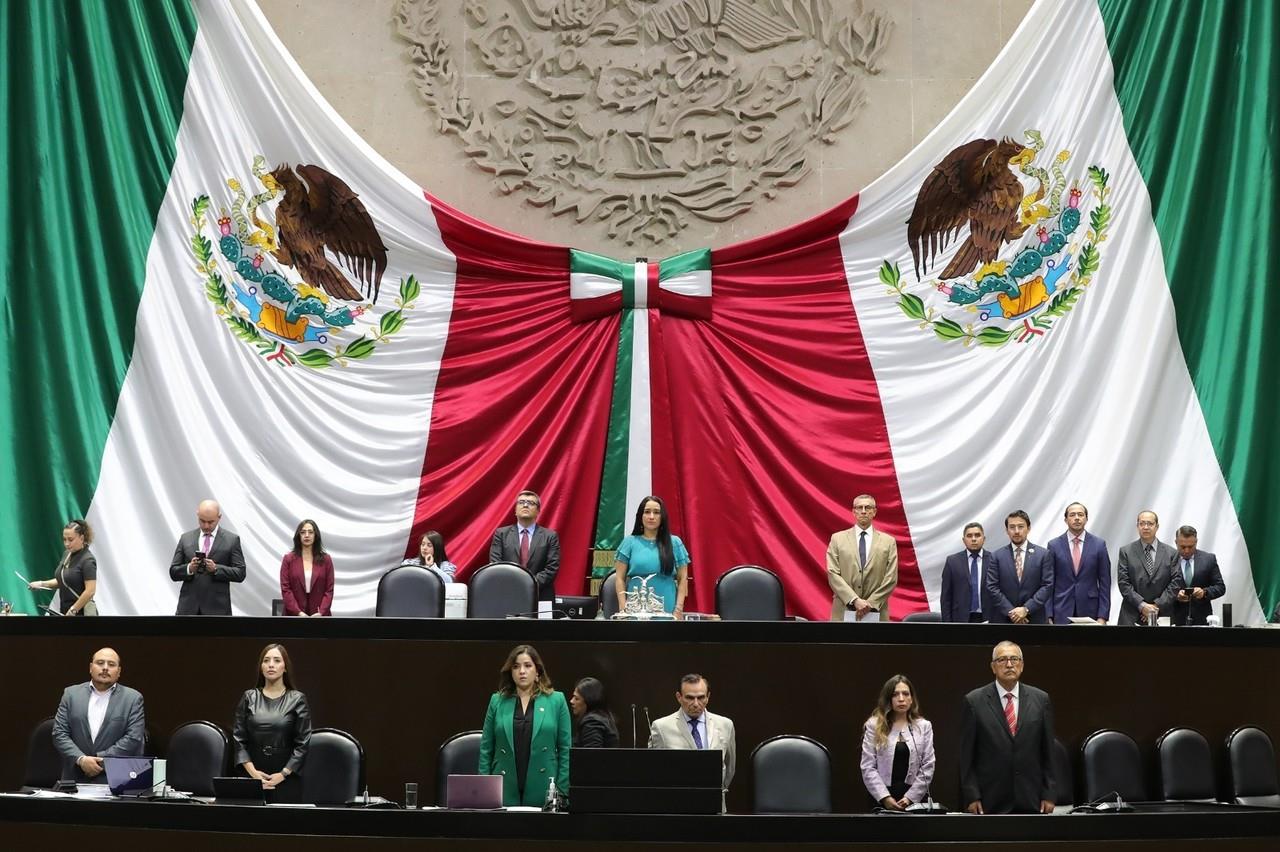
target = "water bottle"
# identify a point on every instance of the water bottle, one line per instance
(552, 803)
(5, 607)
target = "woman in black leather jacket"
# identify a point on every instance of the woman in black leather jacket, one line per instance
(273, 727)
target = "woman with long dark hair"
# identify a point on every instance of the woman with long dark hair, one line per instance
(652, 551)
(306, 574)
(527, 733)
(897, 748)
(431, 556)
(595, 725)
(273, 726)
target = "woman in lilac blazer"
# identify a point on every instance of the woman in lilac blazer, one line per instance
(306, 574)
(897, 748)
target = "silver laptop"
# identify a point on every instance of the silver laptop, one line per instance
(473, 792)
(134, 776)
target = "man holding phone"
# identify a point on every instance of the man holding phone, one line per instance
(205, 562)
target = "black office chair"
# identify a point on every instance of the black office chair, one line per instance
(608, 598)
(1063, 776)
(1186, 766)
(458, 755)
(1112, 764)
(1253, 768)
(927, 615)
(750, 593)
(791, 774)
(198, 752)
(277, 607)
(410, 591)
(333, 773)
(500, 589)
(44, 764)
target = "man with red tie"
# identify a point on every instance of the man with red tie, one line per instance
(1006, 742)
(206, 561)
(534, 548)
(1082, 571)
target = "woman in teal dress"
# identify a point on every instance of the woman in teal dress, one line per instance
(652, 551)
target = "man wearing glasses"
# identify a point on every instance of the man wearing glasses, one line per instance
(862, 567)
(1006, 742)
(534, 548)
(1147, 575)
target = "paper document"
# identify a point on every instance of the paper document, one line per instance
(869, 617)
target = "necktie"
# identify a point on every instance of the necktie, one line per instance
(693, 729)
(1186, 571)
(974, 603)
(1148, 560)
(1075, 555)
(208, 543)
(862, 550)
(524, 548)
(1017, 562)
(1009, 718)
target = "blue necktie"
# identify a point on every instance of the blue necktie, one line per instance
(862, 550)
(974, 604)
(1186, 571)
(693, 729)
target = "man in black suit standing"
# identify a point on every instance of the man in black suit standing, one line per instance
(1146, 574)
(534, 548)
(1020, 581)
(964, 594)
(206, 561)
(1202, 581)
(1006, 742)
(99, 718)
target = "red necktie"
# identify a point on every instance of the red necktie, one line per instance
(524, 548)
(1075, 555)
(1009, 718)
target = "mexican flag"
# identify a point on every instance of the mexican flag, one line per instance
(214, 288)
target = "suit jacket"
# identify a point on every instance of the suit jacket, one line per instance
(956, 591)
(544, 556)
(207, 594)
(874, 583)
(877, 763)
(1205, 575)
(1085, 594)
(1007, 773)
(1160, 587)
(1035, 590)
(548, 748)
(596, 729)
(293, 585)
(123, 731)
(672, 732)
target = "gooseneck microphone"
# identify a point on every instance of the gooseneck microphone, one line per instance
(633, 725)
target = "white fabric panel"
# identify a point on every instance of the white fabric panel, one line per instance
(1102, 409)
(640, 433)
(589, 285)
(696, 282)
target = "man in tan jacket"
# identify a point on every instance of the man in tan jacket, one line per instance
(862, 565)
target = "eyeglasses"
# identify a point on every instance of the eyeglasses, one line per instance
(1007, 660)
(526, 502)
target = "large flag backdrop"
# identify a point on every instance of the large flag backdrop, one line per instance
(158, 349)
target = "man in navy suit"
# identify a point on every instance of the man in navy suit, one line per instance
(1199, 569)
(1020, 581)
(964, 595)
(526, 543)
(1082, 571)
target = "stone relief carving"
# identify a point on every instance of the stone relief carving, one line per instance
(639, 114)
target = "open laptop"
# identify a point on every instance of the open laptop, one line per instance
(238, 790)
(134, 776)
(473, 792)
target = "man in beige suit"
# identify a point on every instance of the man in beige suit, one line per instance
(862, 565)
(693, 726)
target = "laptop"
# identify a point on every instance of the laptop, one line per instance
(578, 606)
(134, 776)
(473, 792)
(236, 789)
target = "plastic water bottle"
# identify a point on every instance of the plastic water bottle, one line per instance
(552, 803)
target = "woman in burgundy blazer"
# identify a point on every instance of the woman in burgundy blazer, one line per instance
(301, 597)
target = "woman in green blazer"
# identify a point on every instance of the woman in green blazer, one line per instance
(527, 732)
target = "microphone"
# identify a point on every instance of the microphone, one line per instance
(633, 725)
(646, 717)
(928, 806)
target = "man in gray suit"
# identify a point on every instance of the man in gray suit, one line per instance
(97, 719)
(206, 561)
(534, 548)
(693, 726)
(1146, 574)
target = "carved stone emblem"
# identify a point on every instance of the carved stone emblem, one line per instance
(640, 114)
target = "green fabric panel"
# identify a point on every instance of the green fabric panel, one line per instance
(584, 262)
(690, 261)
(1198, 82)
(91, 98)
(613, 479)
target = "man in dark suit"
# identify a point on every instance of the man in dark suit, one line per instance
(1020, 581)
(534, 548)
(1082, 571)
(1202, 581)
(1006, 742)
(964, 594)
(206, 561)
(99, 718)
(1146, 575)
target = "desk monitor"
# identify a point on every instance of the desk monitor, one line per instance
(235, 789)
(645, 781)
(578, 606)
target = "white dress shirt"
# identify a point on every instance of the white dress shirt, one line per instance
(98, 701)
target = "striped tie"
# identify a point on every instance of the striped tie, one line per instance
(1009, 718)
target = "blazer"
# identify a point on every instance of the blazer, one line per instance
(544, 556)
(1205, 575)
(874, 582)
(1087, 593)
(877, 763)
(1007, 773)
(548, 748)
(672, 732)
(596, 730)
(274, 735)
(293, 585)
(207, 594)
(955, 599)
(1137, 587)
(123, 731)
(1033, 592)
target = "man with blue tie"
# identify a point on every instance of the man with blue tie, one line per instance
(1020, 581)
(1203, 579)
(964, 595)
(1082, 571)
(862, 567)
(693, 726)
